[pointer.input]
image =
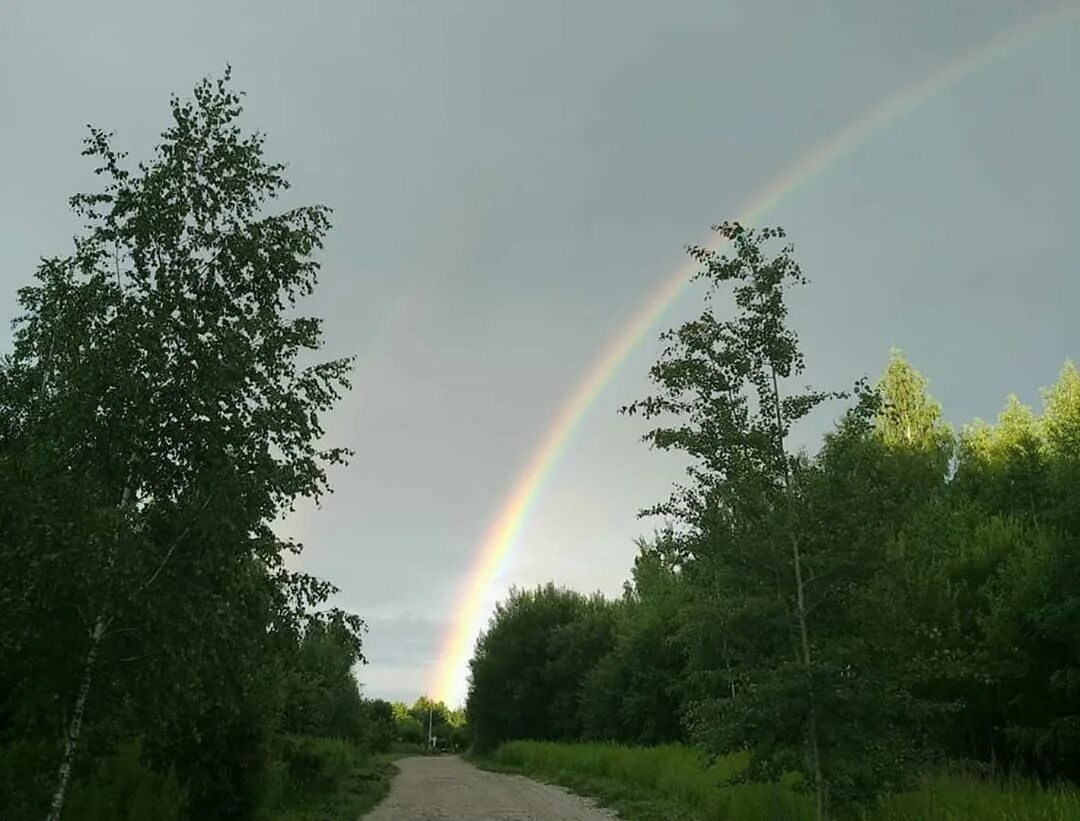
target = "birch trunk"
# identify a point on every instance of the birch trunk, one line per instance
(812, 733)
(71, 742)
(800, 607)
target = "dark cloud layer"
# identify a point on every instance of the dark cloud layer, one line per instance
(510, 180)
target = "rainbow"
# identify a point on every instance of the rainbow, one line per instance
(450, 672)
(295, 523)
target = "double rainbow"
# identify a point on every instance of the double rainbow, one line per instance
(447, 683)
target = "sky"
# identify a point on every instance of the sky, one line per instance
(511, 181)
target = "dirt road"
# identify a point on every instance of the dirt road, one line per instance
(447, 789)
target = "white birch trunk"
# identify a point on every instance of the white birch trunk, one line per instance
(800, 605)
(815, 753)
(71, 742)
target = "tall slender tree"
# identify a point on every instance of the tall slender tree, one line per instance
(727, 383)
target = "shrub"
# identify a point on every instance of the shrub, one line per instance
(124, 788)
(319, 765)
(27, 775)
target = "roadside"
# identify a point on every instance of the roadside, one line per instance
(629, 800)
(328, 780)
(673, 783)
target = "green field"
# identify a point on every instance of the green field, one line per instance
(673, 783)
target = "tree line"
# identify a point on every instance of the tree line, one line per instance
(900, 597)
(159, 410)
(427, 724)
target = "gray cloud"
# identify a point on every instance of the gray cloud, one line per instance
(400, 652)
(511, 180)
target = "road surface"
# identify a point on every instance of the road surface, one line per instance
(445, 788)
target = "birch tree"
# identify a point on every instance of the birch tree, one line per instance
(724, 392)
(159, 417)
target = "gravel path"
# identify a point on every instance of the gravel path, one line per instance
(445, 788)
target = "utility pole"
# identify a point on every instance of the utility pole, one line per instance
(430, 740)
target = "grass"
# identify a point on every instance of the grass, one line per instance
(645, 783)
(322, 779)
(963, 799)
(674, 784)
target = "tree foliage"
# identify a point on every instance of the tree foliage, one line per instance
(529, 665)
(160, 408)
(853, 615)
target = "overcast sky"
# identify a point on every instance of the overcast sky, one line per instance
(511, 180)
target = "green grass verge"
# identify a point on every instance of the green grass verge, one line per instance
(321, 779)
(965, 799)
(646, 783)
(672, 782)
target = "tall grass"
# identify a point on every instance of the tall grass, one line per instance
(674, 782)
(960, 799)
(671, 781)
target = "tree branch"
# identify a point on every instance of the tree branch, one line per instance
(172, 548)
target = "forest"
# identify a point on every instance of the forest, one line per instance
(900, 600)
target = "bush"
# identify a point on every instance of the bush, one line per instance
(409, 730)
(408, 748)
(460, 737)
(315, 779)
(380, 728)
(225, 764)
(27, 776)
(123, 788)
(319, 765)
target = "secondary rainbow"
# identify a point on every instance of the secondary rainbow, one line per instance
(455, 649)
(296, 523)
